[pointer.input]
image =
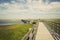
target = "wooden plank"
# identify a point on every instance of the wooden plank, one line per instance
(43, 33)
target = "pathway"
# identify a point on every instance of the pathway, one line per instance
(43, 33)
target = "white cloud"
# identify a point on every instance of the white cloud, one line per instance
(18, 8)
(34, 9)
(53, 5)
(12, 8)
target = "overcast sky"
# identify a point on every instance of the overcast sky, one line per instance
(17, 9)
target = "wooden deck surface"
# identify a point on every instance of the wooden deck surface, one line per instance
(43, 33)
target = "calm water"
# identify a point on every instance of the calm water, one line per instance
(10, 22)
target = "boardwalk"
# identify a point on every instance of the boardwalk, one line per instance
(43, 33)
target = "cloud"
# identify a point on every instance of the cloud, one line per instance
(10, 1)
(53, 7)
(54, 0)
(12, 8)
(50, 1)
(17, 7)
(28, 9)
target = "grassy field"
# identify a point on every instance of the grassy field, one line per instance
(53, 20)
(14, 32)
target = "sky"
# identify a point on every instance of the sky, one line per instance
(18, 9)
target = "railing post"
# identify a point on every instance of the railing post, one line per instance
(31, 34)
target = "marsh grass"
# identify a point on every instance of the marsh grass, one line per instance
(14, 32)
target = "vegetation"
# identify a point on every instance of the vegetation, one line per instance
(14, 32)
(53, 20)
(54, 24)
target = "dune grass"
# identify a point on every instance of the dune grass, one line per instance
(14, 32)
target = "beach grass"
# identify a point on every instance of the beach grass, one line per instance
(14, 32)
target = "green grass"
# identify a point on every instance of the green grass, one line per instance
(53, 20)
(14, 32)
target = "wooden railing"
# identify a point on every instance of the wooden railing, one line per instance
(54, 29)
(31, 33)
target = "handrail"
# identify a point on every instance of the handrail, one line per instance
(54, 28)
(31, 33)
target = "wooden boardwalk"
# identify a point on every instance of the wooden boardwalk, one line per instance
(43, 33)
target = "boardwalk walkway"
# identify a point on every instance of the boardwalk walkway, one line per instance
(43, 33)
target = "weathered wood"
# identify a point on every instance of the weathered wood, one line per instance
(31, 33)
(54, 28)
